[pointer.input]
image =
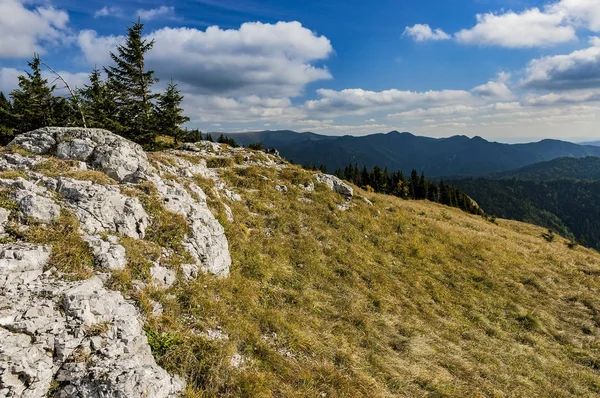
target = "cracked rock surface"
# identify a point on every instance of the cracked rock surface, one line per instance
(70, 339)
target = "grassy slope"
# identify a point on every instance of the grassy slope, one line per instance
(397, 299)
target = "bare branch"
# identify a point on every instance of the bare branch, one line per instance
(75, 98)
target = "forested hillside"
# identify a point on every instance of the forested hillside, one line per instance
(568, 207)
(587, 168)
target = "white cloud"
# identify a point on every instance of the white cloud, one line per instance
(112, 11)
(577, 70)
(268, 60)
(209, 108)
(9, 80)
(422, 32)
(495, 89)
(24, 31)
(358, 101)
(160, 12)
(96, 49)
(579, 12)
(531, 28)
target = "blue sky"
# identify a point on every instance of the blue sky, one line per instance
(513, 70)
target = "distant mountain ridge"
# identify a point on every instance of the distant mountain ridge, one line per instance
(436, 157)
(587, 168)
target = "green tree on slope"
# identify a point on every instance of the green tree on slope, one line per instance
(170, 114)
(132, 85)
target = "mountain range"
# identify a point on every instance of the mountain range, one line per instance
(436, 157)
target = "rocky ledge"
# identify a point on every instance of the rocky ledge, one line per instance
(66, 334)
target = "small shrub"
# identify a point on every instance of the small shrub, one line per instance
(160, 343)
(548, 236)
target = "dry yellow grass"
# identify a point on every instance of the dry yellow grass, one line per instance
(400, 298)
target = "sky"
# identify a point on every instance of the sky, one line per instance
(508, 71)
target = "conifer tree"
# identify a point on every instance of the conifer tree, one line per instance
(170, 114)
(98, 104)
(209, 137)
(33, 105)
(132, 85)
(6, 120)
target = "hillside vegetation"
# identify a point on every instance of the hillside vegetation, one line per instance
(560, 194)
(397, 298)
(587, 168)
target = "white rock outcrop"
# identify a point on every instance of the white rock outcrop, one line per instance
(102, 208)
(207, 242)
(335, 184)
(78, 340)
(118, 157)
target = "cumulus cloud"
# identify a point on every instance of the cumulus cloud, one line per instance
(495, 89)
(160, 12)
(552, 24)
(9, 80)
(210, 108)
(96, 49)
(112, 11)
(358, 101)
(269, 60)
(25, 31)
(423, 32)
(531, 28)
(577, 70)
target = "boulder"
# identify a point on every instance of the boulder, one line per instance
(37, 207)
(335, 184)
(118, 157)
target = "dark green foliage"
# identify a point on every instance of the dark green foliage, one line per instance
(98, 103)
(6, 120)
(587, 168)
(209, 137)
(257, 146)
(568, 207)
(194, 135)
(416, 187)
(33, 105)
(131, 85)
(170, 114)
(223, 139)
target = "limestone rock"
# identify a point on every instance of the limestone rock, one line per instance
(281, 188)
(102, 208)
(108, 254)
(335, 184)
(162, 277)
(207, 242)
(38, 207)
(118, 157)
(85, 337)
(15, 161)
(4, 214)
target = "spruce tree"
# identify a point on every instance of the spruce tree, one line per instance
(98, 104)
(170, 114)
(33, 104)
(132, 85)
(6, 120)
